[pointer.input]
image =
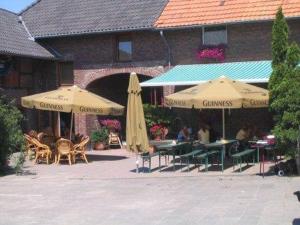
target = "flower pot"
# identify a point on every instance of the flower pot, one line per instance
(157, 138)
(99, 145)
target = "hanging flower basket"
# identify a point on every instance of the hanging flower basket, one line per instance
(211, 52)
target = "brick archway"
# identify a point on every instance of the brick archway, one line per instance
(84, 77)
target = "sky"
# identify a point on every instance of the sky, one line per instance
(15, 5)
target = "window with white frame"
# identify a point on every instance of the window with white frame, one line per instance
(214, 35)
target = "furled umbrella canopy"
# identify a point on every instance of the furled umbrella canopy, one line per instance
(136, 133)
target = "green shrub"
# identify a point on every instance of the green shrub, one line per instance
(11, 138)
(100, 135)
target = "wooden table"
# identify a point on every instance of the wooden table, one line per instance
(221, 146)
(169, 149)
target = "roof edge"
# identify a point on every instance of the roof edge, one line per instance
(10, 53)
(188, 83)
(150, 28)
(220, 24)
(6, 10)
(28, 7)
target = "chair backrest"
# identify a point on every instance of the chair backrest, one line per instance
(28, 140)
(64, 146)
(33, 133)
(40, 136)
(37, 143)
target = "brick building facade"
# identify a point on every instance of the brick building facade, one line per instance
(85, 42)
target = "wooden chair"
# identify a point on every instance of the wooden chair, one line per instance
(30, 146)
(113, 139)
(64, 148)
(40, 136)
(79, 149)
(42, 152)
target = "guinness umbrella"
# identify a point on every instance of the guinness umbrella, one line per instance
(72, 99)
(136, 133)
(222, 93)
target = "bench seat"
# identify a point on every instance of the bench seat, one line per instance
(238, 157)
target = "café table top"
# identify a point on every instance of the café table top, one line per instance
(219, 143)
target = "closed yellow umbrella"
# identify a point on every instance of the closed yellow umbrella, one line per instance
(136, 132)
(72, 99)
(222, 93)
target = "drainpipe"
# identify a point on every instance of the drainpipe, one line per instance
(168, 47)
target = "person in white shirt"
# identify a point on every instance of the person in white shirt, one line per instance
(203, 134)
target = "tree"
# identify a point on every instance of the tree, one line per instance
(11, 138)
(284, 86)
(280, 33)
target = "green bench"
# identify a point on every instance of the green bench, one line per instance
(237, 158)
(204, 157)
(188, 156)
(146, 157)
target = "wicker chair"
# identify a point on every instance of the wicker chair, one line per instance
(30, 146)
(114, 140)
(64, 148)
(79, 149)
(42, 152)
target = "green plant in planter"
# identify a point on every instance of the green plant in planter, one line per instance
(100, 135)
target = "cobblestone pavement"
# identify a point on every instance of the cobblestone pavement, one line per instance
(108, 191)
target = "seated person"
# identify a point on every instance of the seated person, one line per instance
(183, 134)
(243, 136)
(203, 134)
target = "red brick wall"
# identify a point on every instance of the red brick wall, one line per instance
(94, 55)
(250, 41)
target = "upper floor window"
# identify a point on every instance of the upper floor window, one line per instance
(124, 48)
(214, 35)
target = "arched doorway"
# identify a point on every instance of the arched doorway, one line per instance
(114, 88)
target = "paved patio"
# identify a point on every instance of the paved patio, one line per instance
(108, 191)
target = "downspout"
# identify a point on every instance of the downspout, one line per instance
(168, 47)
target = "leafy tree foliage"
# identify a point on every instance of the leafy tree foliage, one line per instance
(280, 33)
(284, 86)
(11, 138)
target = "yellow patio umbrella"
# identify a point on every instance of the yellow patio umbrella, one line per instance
(136, 132)
(222, 93)
(72, 99)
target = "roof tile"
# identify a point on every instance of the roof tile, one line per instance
(48, 18)
(207, 12)
(14, 40)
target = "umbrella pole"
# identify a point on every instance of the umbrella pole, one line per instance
(58, 125)
(223, 119)
(71, 126)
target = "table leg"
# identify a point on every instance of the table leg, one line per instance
(257, 154)
(159, 160)
(263, 165)
(174, 160)
(222, 158)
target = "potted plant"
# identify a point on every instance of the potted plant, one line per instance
(100, 138)
(156, 131)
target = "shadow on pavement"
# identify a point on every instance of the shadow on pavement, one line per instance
(245, 167)
(92, 158)
(296, 221)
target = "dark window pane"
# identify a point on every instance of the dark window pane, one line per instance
(124, 49)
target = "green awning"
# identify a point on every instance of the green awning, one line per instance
(249, 72)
